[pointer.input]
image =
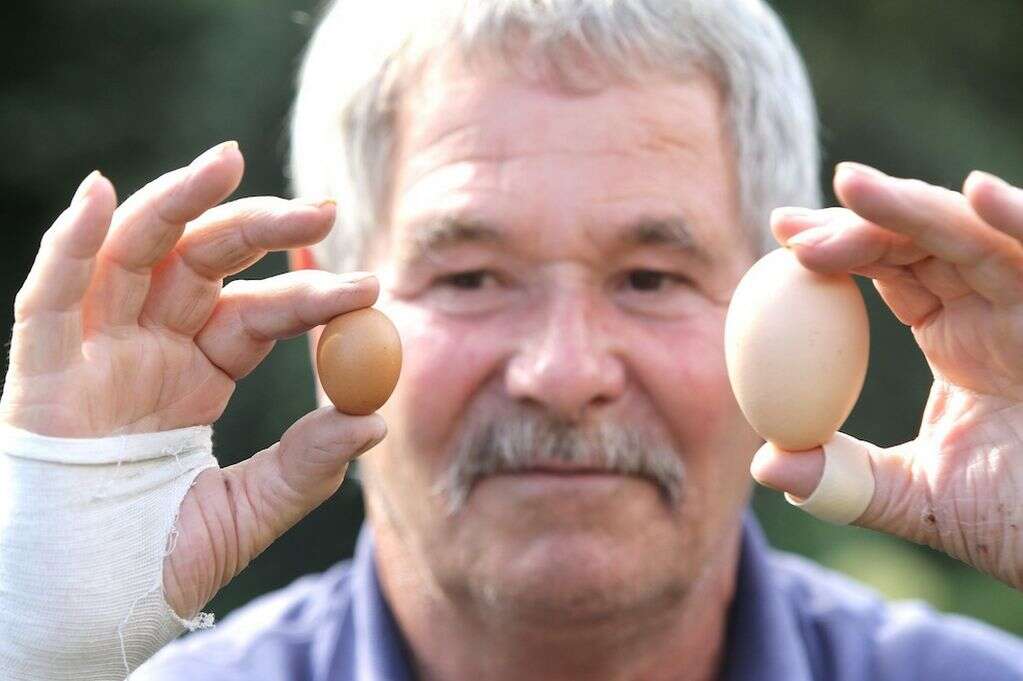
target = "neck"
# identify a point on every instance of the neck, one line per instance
(456, 641)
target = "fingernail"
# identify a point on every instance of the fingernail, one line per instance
(811, 237)
(768, 485)
(859, 168)
(793, 210)
(797, 214)
(374, 441)
(356, 277)
(214, 152)
(976, 175)
(86, 186)
(315, 203)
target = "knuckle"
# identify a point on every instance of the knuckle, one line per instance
(23, 306)
(46, 241)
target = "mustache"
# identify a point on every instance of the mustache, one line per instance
(510, 442)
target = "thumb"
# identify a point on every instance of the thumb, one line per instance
(897, 504)
(292, 477)
(229, 519)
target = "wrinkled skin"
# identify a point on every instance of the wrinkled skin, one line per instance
(548, 309)
(949, 265)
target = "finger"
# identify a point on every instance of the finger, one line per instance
(225, 240)
(47, 309)
(787, 221)
(231, 237)
(941, 222)
(252, 315)
(63, 266)
(899, 501)
(838, 240)
(941, 278)
(146, 227)
(909, 300)
(280, 485)
(794, 472)
(996, 201)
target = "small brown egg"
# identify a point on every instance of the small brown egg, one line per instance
(796, 347)
(358, 359)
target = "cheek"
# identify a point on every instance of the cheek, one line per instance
(444, 364)
(684, 370)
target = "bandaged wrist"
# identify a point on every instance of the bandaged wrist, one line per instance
(84, 528)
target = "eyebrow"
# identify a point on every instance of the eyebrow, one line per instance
(448, 231)
(671, 232)
(451, 231)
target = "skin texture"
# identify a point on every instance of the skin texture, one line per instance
(547, 576)
(950, 266)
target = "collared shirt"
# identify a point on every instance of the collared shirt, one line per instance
(790, 620)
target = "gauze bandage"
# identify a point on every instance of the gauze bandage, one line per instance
(846, 485)
(84, 528)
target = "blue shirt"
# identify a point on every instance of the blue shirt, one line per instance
(790, 620)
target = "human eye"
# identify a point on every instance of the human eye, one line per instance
(644, 280)
(475, 291)
(660, 293)
(469, 280)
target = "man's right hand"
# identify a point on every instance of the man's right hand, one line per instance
(124, 326)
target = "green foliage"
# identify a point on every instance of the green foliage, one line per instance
(930, 90)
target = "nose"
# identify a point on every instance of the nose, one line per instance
(567, 362)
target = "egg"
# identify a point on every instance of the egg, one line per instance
(796, 349)
(358, 360)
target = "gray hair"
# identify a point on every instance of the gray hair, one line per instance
(521, 438)
(365, 51)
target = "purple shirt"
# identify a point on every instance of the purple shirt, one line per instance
(791, 620)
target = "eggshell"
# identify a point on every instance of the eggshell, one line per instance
(796, 347)
(358, 360)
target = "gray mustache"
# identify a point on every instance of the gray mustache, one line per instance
(511, 442)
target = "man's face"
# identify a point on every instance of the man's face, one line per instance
(559, 268)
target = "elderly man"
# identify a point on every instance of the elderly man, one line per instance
(557, 198)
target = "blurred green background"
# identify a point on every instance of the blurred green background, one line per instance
(923, 89)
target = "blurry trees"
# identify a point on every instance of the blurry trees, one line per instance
(135, 88)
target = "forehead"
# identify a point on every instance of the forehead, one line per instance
(491, 142)
(654, 109)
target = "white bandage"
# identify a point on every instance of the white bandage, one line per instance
(84, 528)
(847, 483)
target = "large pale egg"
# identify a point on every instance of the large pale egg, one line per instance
(796, 346)
(358, 359)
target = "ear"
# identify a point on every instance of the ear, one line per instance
(302, 259)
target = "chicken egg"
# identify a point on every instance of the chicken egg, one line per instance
(796, 349)
(358, 359)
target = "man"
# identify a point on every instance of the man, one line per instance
(558, 199)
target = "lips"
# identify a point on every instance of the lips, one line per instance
(569, 472)
(563, 468)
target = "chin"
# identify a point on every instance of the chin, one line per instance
(550, 550)
(580, 578)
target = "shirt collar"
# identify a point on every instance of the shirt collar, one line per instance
(381, 653)
(763, 640)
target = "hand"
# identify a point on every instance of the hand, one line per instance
(949, 265)
(124, 326)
